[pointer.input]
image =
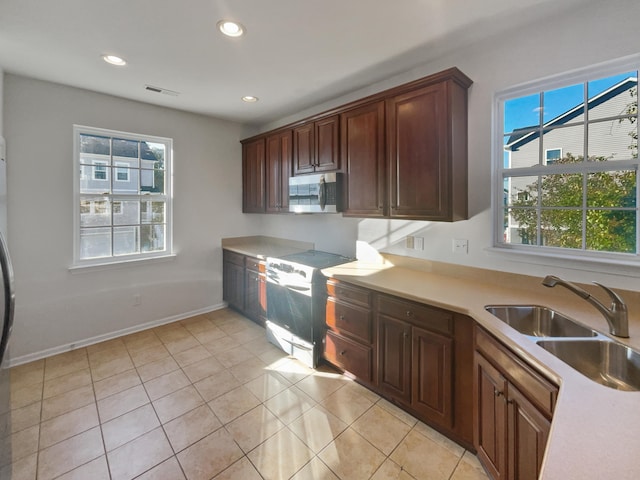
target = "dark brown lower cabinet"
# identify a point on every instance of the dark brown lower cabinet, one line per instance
(244, 285)
(514, 406)
(394, 358)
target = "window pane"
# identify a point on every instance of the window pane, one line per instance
(522, 191)
(522, 227)
(125, 148)
(152, 181)
(95, 242)
(125, 240)
(154, 152)
(612, 189)
(569, 140)
(611, 96)
(563, 190)
(562, 228)
(564, 105)
(128, 213)
(525, 151)
(521, 113)
(152, 212)
(125, 180)
(94, 213)
(611, 230)
(152, 238)
(613, 140)
(95, 144)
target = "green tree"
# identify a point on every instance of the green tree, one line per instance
(608, 227)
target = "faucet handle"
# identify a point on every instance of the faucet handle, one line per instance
(617, 302)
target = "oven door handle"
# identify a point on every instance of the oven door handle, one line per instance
(297, 288)
(298, 345)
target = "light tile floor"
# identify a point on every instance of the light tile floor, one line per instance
(210, 398)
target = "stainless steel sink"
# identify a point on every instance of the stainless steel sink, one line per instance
(606, 362)
(537, 321)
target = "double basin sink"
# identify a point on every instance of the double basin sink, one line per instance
(591, 353)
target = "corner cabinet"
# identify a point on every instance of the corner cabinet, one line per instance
(514, 406)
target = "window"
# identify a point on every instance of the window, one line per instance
(567, 164)
(123, 206)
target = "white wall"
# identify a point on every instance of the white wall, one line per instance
(55, 307)
(594, 33)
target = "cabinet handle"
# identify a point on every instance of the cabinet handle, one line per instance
(497, 393)
(409, 313)
(405, 335)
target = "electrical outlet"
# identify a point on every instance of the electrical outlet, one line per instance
(418, 243)
(410, 242)
(137, 300)
(460, 245)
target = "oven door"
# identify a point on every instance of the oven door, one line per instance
(289, 303)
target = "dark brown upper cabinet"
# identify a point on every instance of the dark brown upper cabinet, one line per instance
(315, 146)
(253, 176)
(403, 150)
(278, 170)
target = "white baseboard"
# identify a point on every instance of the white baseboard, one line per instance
(31, 357)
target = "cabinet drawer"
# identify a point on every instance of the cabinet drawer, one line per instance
(349, 355)
(234, 258)
(254, 264)
(533, 385)
(349, 293)
(416, 313)
(349, 319)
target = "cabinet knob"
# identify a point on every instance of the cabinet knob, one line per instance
(343, 352)
(498, 393)
(405, 335)
(409, 313)
(342, 317)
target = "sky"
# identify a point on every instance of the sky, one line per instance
(524, 112)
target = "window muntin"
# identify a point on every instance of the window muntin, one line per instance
(123, 207)
(567, 171)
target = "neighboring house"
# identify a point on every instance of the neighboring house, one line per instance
(608, 137)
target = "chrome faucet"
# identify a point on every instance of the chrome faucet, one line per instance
(616, 315)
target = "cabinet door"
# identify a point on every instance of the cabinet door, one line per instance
(432, 391)
(362, 157)
(253, 176)
(278, 168)
(491, 418)
(528, 431)
(254, 306)
(233, 285)
(417, 126)
(394, 357)
(327, 144)
(303, 149)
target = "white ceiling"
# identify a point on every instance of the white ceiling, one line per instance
(296, 53)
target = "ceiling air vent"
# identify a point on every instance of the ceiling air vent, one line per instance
(151, 88)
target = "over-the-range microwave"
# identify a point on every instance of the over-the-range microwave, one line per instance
(316, 193)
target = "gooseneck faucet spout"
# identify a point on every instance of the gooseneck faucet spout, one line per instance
(616, 315)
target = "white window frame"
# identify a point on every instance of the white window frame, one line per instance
(553, 254)
(100, 163)
(546, 154)
(167, 197)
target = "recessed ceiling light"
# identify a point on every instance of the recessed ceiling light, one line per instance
(231, 29)
(114, 60)
(250, 99)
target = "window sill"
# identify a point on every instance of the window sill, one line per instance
(75, 269)
(627, 266)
